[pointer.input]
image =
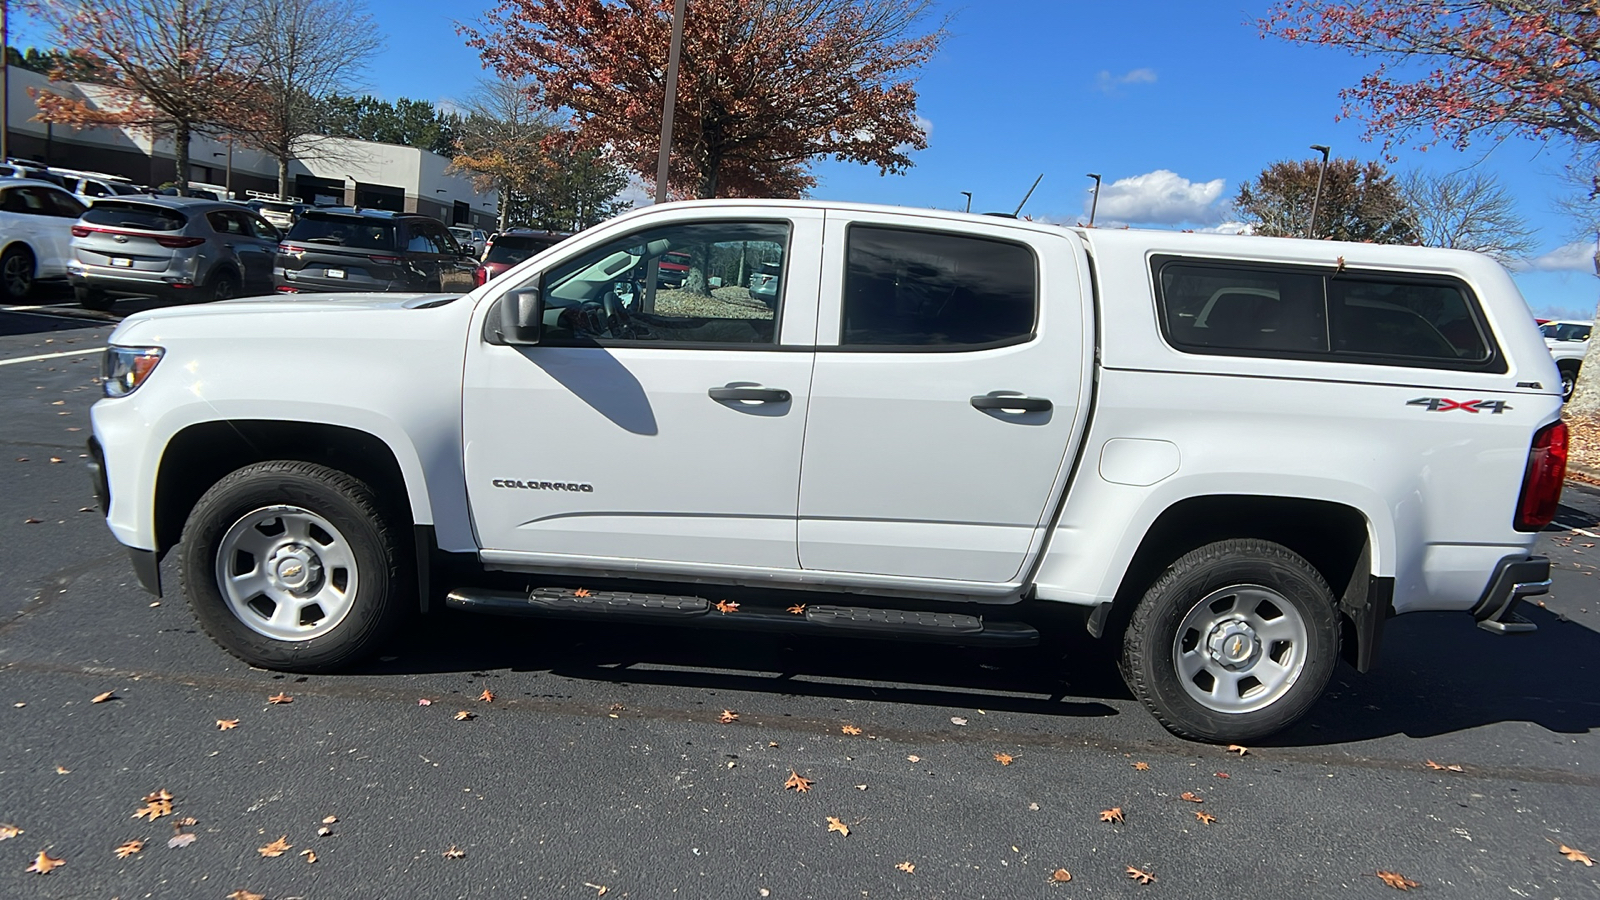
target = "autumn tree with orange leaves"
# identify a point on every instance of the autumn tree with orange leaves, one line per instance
(1453, 71)
(170, 68)
(765, 86)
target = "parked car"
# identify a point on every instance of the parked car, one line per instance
(36, 220)
(281, 213)
(345, 249)
(176, 248)
(976, 420)
(764, 283)
(474, 239)
(25, 168)
(91, 186)
(1568, 341)
(509, 248)
(673, 269)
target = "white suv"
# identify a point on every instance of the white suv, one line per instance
(36, 219)
(1568, 341)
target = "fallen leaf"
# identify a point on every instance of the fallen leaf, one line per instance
(242, 894)
(1577, 856)
(583, 592)
(20, 704)
(101, 698)
(329, 820)
(725, 606)
(1061, 876)
(728, 716)
(276, 848)
(487, 696)
(280, 697)
(1340, 265)
(797, 782)
(861, 787)
(1141, 767)
(914, 758)
(850, 729)
(181, 839)
(1004, 759)
(30, 521)
(1114, 814)
(835, 825)
(798, 609)
(44, 862)
(1205, 817)
(63, 770)
(324, 831)
(907, 867)
(1140, 875)
(184, 822)
(1397, 881)
(617, 706)
(1439, 768)
(1192, 797)
(310, 855)
(7, 832)
(227, 724)
(957, 720)
(1235, 748)
(424, 701)
(155, 806)
(58, 403)
(454, 853)
(129, 848)
(1222, 775)
(464, 715)
(599, 889)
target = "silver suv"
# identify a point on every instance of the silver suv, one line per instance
(175, 248)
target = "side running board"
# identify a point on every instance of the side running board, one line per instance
(853, 621)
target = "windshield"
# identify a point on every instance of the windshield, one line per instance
(510, 249)
(1565, 331)
(117, 214)
(344, 231)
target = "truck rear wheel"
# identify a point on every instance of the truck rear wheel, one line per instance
(1235, 641)
(292, 566)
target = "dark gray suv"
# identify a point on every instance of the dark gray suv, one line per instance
(344, 249)
(176, 248)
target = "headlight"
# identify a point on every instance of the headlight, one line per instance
(126, 368)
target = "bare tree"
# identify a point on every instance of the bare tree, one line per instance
(307, 50)
(499, 145)
(1466, 211)
(169, 67)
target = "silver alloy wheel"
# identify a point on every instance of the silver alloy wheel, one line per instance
(1240, 648)
(18, 275)
(286, 573)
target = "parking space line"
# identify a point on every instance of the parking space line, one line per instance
(43, 356)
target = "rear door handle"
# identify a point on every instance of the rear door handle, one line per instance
(758, 394)
(1011, 402)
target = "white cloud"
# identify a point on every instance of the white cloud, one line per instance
(1159, 198)
(1576, 257)
(1228, 228)
(638, 192)
(1109, 83)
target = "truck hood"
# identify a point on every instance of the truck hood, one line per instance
(231, 317)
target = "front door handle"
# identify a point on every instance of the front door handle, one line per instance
(1011, 402)
(757, 394)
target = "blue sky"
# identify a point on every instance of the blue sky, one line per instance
(1173, 103)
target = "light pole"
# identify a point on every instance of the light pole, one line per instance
(671, 102)
(227, 181)
(1311, 226)
(5, 79)
(1094, 204)
(968, 195)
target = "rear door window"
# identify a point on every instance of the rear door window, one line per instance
(345, 231)
(114, 214)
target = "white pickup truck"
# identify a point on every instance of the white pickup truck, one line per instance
(1236, 456)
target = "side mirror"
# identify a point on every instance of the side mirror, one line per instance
(522, 315)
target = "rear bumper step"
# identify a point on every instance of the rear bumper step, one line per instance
(1497, 609)
(855, 621)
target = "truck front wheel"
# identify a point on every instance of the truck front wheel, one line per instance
(292, 566)
(1235, 641)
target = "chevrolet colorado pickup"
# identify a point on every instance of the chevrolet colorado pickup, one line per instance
(1236, 456)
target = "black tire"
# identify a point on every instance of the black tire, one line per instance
(93, 298)
(379, 601)
(1150, 661)
(17, 270)
(1569, 380)
(224, 286)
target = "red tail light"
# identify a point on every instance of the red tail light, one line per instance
(480, 276)
(80, 231)
(1542, 480)
(179, 243)
(291, 248)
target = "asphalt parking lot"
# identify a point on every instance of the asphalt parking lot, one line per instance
(602, 765)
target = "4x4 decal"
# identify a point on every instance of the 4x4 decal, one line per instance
(1441, 404)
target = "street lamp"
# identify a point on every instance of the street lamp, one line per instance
(227, 183)
(5, 80)
(1311, 226)
(968, 195)
(1094, 204)
(671, 102)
